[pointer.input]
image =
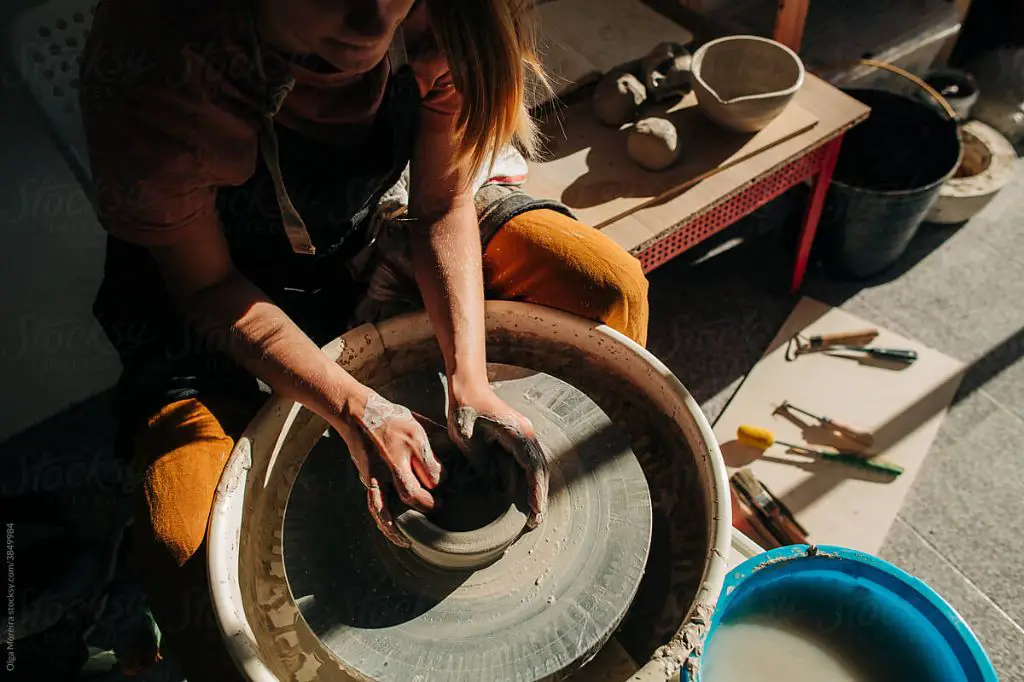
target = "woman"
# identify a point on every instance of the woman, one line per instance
(241, 150)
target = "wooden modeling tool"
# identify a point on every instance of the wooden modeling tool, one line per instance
(762, 439)
(799, 344)
(771, 512)
(860, 337)
(862, 437)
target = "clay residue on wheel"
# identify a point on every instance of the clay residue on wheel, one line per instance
(576, 573)
(678, 553)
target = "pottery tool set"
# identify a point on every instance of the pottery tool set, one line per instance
(838, 440)
(765, 517)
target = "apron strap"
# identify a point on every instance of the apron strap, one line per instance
(294, 227)
(274, 96)
(397, 55)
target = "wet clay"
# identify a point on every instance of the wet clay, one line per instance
(667, 71)
(480, 510)
(653, 144)
(469, 499)
(546, 604)
(679, 540)
(617, 98)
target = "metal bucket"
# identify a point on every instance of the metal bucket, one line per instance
(263, 628)
(889, 174)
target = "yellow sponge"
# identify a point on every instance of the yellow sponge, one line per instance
(755, 436)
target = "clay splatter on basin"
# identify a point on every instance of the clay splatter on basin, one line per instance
(254, 578)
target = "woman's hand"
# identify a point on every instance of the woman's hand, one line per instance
(482, 410)
(389, 447)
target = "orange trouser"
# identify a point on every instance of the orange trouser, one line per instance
(540, 257)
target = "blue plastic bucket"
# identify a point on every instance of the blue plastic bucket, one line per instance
(880, 621)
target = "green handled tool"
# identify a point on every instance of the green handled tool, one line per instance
(894, 354)
(859, 460)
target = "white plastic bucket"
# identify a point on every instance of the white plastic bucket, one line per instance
(264, 631)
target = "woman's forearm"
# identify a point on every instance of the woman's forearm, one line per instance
(259, 336)
(446, 258)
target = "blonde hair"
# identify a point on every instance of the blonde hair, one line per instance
(490, 47)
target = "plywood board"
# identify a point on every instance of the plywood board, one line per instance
(581, 39)
(586, 165)
(903, 408)
(565, 68)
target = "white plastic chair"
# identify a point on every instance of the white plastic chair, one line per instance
(46, 44)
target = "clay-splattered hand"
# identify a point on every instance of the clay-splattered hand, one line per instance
(390, 448)
(485, 414)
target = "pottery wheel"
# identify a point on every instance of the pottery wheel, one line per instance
(549, 603)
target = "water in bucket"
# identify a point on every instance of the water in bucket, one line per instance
(817, 626)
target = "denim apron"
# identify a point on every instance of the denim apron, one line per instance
(291, 228)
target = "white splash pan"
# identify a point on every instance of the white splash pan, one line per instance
(264, 632)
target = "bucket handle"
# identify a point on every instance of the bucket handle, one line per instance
(892, 68)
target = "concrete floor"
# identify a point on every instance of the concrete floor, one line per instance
(955, 290)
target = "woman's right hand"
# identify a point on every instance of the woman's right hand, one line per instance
(389, 448)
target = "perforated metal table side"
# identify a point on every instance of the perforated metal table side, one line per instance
(817, 162)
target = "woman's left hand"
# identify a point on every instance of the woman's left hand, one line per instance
(482, 410)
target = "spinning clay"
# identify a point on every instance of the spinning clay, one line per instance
(653, 144)
(617, 98)
(478, 597)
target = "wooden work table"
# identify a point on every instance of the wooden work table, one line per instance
(763, 167)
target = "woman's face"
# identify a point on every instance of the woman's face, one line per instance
(351, 35)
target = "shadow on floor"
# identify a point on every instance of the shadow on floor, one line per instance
(835, 292)
(715, 309)
(68, 499)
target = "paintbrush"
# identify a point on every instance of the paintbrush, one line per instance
(746, 520)
(772, 512)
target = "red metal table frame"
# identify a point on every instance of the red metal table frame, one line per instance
(817, 162)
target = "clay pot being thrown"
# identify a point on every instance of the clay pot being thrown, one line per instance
(480, 515)
(744, 82)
